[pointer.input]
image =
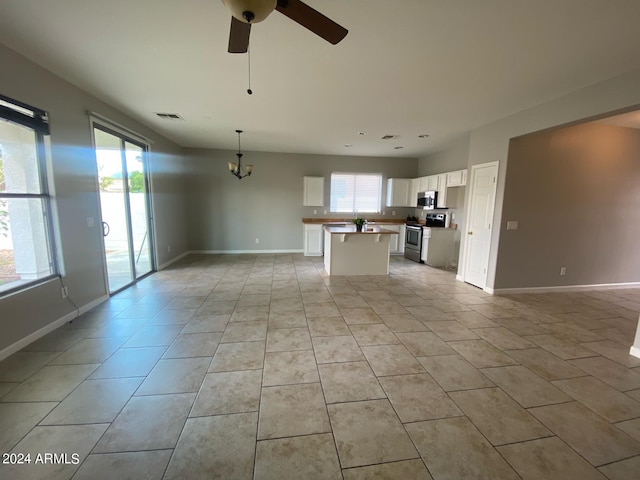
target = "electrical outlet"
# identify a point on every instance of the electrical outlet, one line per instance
(65, 292)
(384, 212)
(315, 212)
(325, 212)
(257, 240)
(393, 212)
(90, 222)
(563, 271)
(168, 248)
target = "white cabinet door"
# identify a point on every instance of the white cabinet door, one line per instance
(457, 178)
(394, 240)
(424, 184)
(313, 192)
(413, 194)
(442, 190)
(398, 192)
(313, 240)
(433, 182)
(401, 235)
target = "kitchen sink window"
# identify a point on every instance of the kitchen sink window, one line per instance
(355, 192)
(25, 221)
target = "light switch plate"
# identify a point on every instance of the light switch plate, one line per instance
(512, 225)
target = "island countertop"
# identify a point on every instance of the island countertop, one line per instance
(351, 229)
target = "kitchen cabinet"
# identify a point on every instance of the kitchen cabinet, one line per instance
(396, 242)
(437, 246)
(313, 240)
(457, 178)
(413, 194)
(433, 182)
(442, 190)
(398, 190)
(423, 184)
(313, 192)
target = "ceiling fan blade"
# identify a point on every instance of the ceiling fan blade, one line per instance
(239, 36)
(309, 18)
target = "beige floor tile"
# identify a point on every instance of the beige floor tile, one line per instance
(50, 384)
(403, 323)
(129, 362)
(206, 324)
(572, 332)
(291, 410)
(545, 364)
(503, 339)
(17, 419)
(359, 315)
(175, 375)
(498, 417)
(337, 349)
(193, 345)
(623, 470)
(89, 350)
(406, 469)
(287, 304)
(154, 336)
(471, 319)
(548, 459)
(315, 310)
(481, 353)
(147, 423)
(363, 442)
(606, 401)
(250, 313)
(613, 351)
(453, 372)
(635, 394)
(21, 365)
(238, 356)
(587, 433)
(6, 387)
(349, 382)
(453, 449)
(347, 298)
(391, 360)
(287, 319)
(418, 397)
(228, 392)
(311, 457)
(492, 311)
(288, 339)
(521, 326)
(561, 348)
(387, 307)
(328, 327)
(220, 447)
(170, 316)
(609, 372)
(525, 387)
(451, 330)
(128, 465)
(631, 427)
(245, 332)
(216, 307)
(373, 334)
(94, 401)
(67, 439)
(285, 368)
(58, 341)
(424, 344)
(253, 300)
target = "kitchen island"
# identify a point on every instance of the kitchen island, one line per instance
(349, 252)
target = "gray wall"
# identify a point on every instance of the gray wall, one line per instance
(454, 157)
(227, 214)
(576, 195)
(74, 181)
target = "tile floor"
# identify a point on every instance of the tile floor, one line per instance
(259, 366)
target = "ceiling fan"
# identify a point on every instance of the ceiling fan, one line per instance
(247, 12)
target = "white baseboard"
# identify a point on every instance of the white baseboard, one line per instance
(635, 351)
(32, 337)
(173, 260)
(567, 288)
(240, 252)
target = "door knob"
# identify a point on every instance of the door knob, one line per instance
(469, 233)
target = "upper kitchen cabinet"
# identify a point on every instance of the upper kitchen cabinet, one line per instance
(413, 192)
(313, 192)
(457, 178)
(399, 192)
(433, 183)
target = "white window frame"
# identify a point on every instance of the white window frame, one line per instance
(37, 120)
(352, 208)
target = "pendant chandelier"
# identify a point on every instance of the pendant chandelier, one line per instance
(236, 168)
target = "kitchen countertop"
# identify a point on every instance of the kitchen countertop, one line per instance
(351, 229)
(332, 220)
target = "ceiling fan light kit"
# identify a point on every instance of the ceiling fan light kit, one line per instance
(250, 11)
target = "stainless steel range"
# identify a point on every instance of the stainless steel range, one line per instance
(413, 242)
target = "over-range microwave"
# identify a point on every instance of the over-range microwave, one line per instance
(428, 200)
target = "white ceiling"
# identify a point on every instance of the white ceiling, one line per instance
(407, 67)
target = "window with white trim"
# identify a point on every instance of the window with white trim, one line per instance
(356, 192)
(26, 246)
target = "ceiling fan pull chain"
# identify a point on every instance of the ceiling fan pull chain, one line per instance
(249, 91)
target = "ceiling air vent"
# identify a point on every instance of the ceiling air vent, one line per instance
(389, 137)
(169, 116)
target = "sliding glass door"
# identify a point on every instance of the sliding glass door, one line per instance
(124, 203)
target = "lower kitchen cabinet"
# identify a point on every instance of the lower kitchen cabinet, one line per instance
(313, 240)
(396, 242)
(437, 246)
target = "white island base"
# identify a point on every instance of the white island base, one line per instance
(347, 252)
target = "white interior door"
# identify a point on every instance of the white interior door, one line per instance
(479, 224)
